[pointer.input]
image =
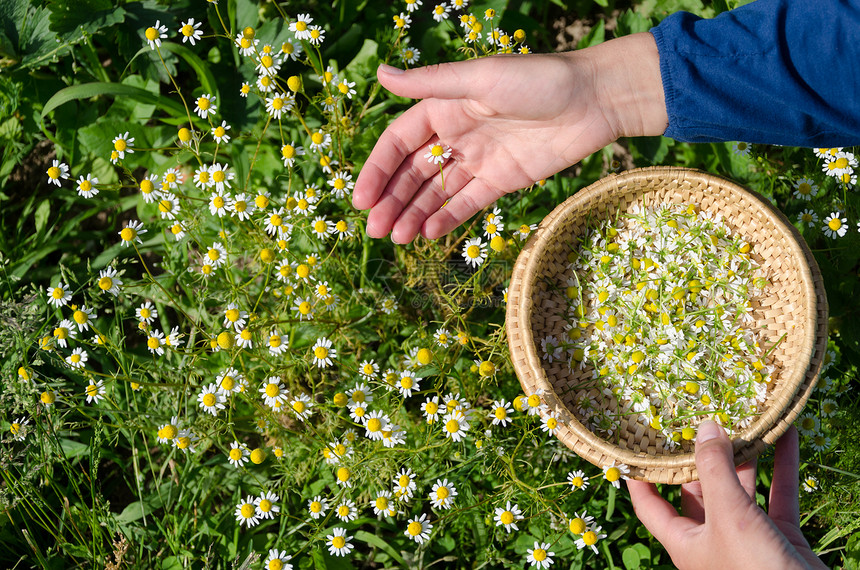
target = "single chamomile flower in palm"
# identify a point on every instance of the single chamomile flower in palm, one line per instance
(438, 153)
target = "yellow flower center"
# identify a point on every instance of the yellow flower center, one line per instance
(80, 317)
(261, 201)
(452, 425)
(316, 507)
(442, 493)
(203, 103)
(276, 564)
(151, 34)
(299, 406)
(834, 224)
(248, 510)
(153, 342)
(187, 30)
(589, 538)
(209, 400)
(414, 528)
(473, 251)
(539, 554)
(507, 517)
(317, 138)
(338, 542)
(374, 425)
(288, 151)
(301, 26)
(321, 352)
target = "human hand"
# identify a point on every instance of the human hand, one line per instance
(723, 527)
(510, 120)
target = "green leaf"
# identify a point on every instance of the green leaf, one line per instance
(594, 37)
(41, 215)
(74, 16)
(90, 90)
(73, 448)
(204, 74)
(610, 503)
(631, 559)
(376, 541)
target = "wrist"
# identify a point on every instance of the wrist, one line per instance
(629, 86)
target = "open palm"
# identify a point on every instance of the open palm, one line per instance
(510, 121)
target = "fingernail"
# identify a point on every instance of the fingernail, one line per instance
(390, 70)
(708, 430)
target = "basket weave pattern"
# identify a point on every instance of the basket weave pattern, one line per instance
(794, 307)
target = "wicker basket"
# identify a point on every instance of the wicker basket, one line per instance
(796, 307)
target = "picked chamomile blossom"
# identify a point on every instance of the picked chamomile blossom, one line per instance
(659, 322)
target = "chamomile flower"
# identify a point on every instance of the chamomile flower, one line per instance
(277, 560)
(266, 505)
(442, 494)
(94, 392)
(131, 233)
(808, 217)
(154, 34)
(412, 5)
(18, 429)
(342, 184)
(291, 50)
(525, 230)
(211, 399)
(346, 510)
(246, 512)
(615, 472)
(323, 353)
(579, 523)
(540, 556)
(321, 228)
(402, 21)
(168, 431)
(278, 104)
(590, 538)
(190, 31)
(276, 225)
(241, 206)
(278, 343)
(577, 480)
(86, 186)
(339, 543)
(238, 456)
(361, 394)
(317, 507)
(302, 406)
(219, 133)
(431, 409)
(300, 27)
(346, 88)
(216, 255)
(205, 105)
(58, 171)
(273, 392)
(438, 153)
(501, 412)
(317, 35)
(269, 64)
(418, 528)
(121, 145)
(78, 358)
(550, 423)
(443, 337)
(320, 141)
(441, 11)
(155, 342)
(508, 516)
(368, 369)
(840, 164)
(835, 225)
(410, 55)
(59, 295)
(289, 153)
(64, 331)
(456, 425)
(235, 317)
(404, 484)
(808, 424)
(809, 483)
(375, 424)
(474, 252)
(805, 189)
(383, 505)
(407, 384)
(168, 206)
(221, 176)
(229, 381)
(146, 313)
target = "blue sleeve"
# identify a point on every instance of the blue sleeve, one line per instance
(781, 72)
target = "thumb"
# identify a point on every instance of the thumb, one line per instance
(453, 80)
(722, 492)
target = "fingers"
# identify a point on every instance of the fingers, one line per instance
(659, 517)
(410, 176)
(722, 492)
(406, 135)
(784, 488)
(454, 80)
(428, 200)
(475, 196)
(692, 503)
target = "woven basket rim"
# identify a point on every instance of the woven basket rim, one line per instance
(678, 467)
